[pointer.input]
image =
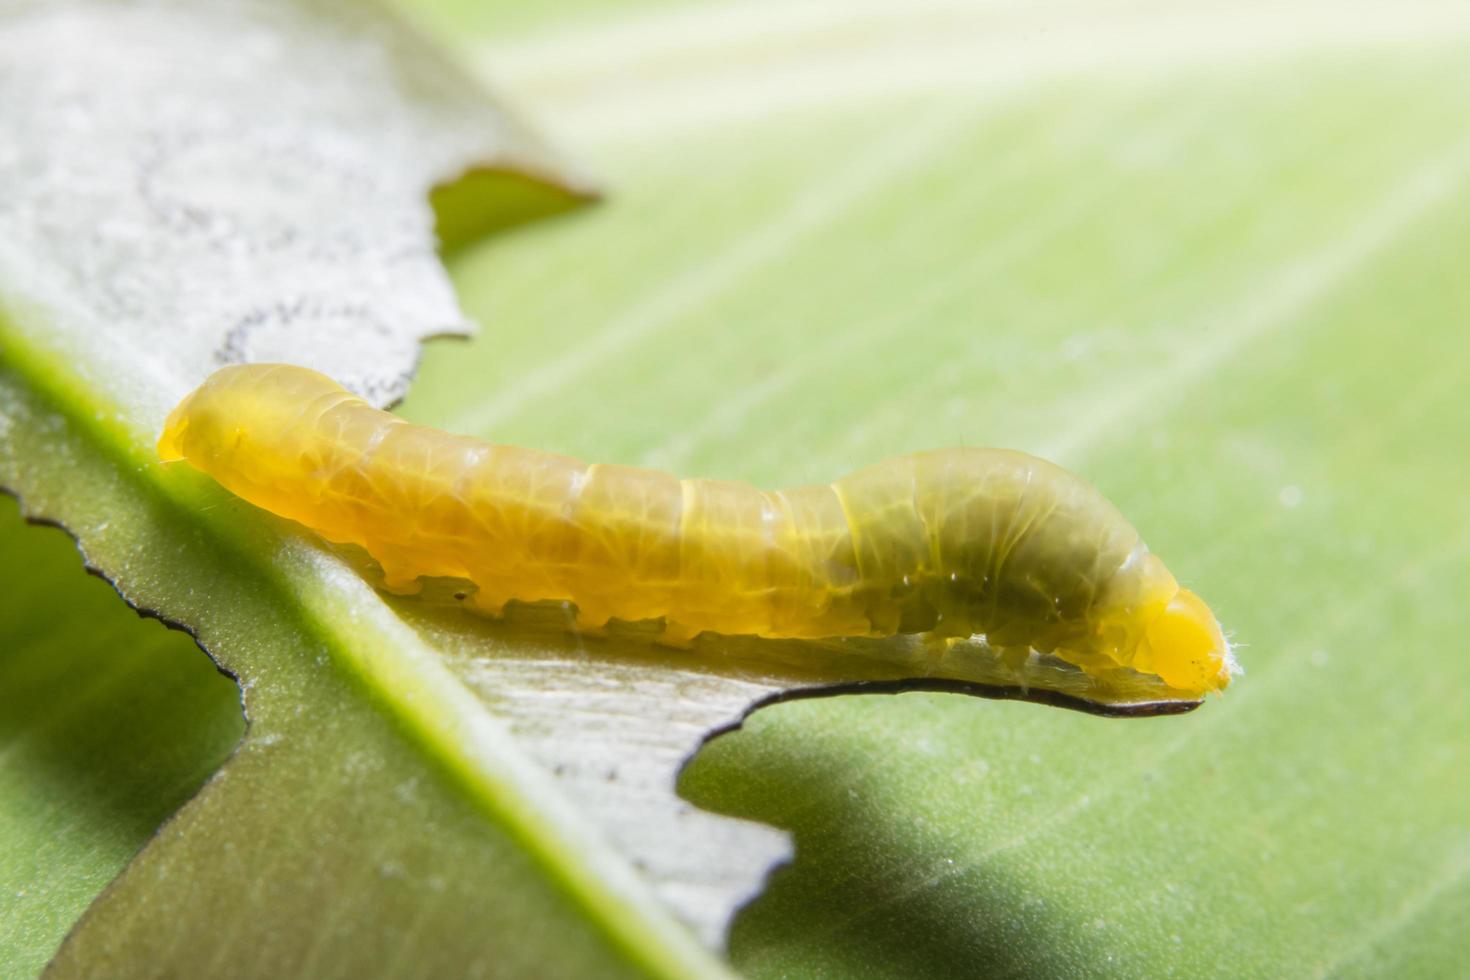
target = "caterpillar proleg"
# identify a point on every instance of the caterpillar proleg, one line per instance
(948, 543)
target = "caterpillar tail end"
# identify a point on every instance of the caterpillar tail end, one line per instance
(1189, 648)
(171, 442)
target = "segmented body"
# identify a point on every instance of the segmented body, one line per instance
(949, 543)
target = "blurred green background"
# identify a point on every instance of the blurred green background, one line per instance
(1212, 257)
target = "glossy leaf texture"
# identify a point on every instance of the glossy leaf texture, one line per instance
(256, 178)
(1209, 255)
(274, 203)
(109, 725)
(1206, 255)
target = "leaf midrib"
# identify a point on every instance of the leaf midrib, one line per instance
(404, 678)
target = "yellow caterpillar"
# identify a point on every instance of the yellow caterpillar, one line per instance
(948, 544)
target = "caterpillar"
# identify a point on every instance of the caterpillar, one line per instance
(947, 543)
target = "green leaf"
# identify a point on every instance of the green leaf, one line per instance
(378, 815)
(163, 231)
(1212, 258)
(107, 725)
(1205, 256)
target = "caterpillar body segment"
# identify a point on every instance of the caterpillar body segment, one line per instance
(947, 544)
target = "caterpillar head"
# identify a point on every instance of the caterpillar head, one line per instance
(1150, 624)
(1187, 647)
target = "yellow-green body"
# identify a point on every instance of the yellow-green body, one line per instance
(947, 543)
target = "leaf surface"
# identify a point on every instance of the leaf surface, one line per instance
(253, 181)
(1210, 256)
(1159, 245)
(109, 725)
(238, 231)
